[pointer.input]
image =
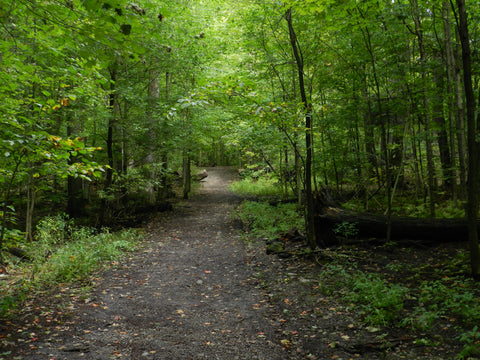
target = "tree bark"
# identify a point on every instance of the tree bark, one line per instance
(403, 228)
(473, 125)
(75, 202)
(450, 65)
(187, 175)
(104, 216)
(153, 96)
(460, 125)
(309, 212)
(448, 177)
(431, 188)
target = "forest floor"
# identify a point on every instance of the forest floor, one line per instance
(197, 290)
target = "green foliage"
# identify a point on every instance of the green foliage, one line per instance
(422, 319)
(454, 294)
(64, 254)
(67, 254)
(51, 233)
(471, 341)
(10, 299)
(379, 303)
(77, 260)
(346, 229)
(267, 221)
(263, 186)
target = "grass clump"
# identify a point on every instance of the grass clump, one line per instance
(378, 302)
(264, 186)
(267, 221)
(77, 259)
(62, 254)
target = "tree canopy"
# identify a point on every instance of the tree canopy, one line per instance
(104, 102)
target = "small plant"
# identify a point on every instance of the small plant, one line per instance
(77, 259)
(422, 319)
(379, 302)
(264, 186)
(471, 340)
(63, 253)
(346, 229)
(267, 221)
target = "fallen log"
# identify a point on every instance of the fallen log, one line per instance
(21, 254)
(402, 228)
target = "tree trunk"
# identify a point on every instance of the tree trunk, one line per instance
(75, 202)
(187, 175)
(309, 211)
(31, 196)
(384, 123)
(431, 188)
(460, 126)
(104, 216)
(473, 125)
(153, 96)
(448, 176)
(450, 64)
(368, 226)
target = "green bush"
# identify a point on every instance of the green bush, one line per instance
(379, 303)
(457, 295)
(86, 252)
(471, 347)
(264, 186)
(267, 221)
(63, 253)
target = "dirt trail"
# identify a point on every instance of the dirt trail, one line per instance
(189, 294)
(196, 291)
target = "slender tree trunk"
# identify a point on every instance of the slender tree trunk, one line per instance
(187, 175)
(31, 196)
(384, 131)
(428, 144)
(450, 63)
(153, 96)
(309, 213)
(164, 190)
(473, 126)
(75, 203)
(442, 137)
(460, 124)
(104, 216)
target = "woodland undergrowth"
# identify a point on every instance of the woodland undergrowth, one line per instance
(63, 255)
(388, 287)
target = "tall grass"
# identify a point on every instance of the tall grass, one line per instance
(63, 254)
(268, 221)
(264, 186)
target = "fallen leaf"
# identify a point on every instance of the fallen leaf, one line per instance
(287, 343)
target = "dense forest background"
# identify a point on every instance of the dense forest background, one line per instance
(106, 104)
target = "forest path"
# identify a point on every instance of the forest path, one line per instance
(188, 294)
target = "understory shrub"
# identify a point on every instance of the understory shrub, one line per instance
(378, 302)
(63, 253)
(264, 186)
(268, 221)
(77, 259)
